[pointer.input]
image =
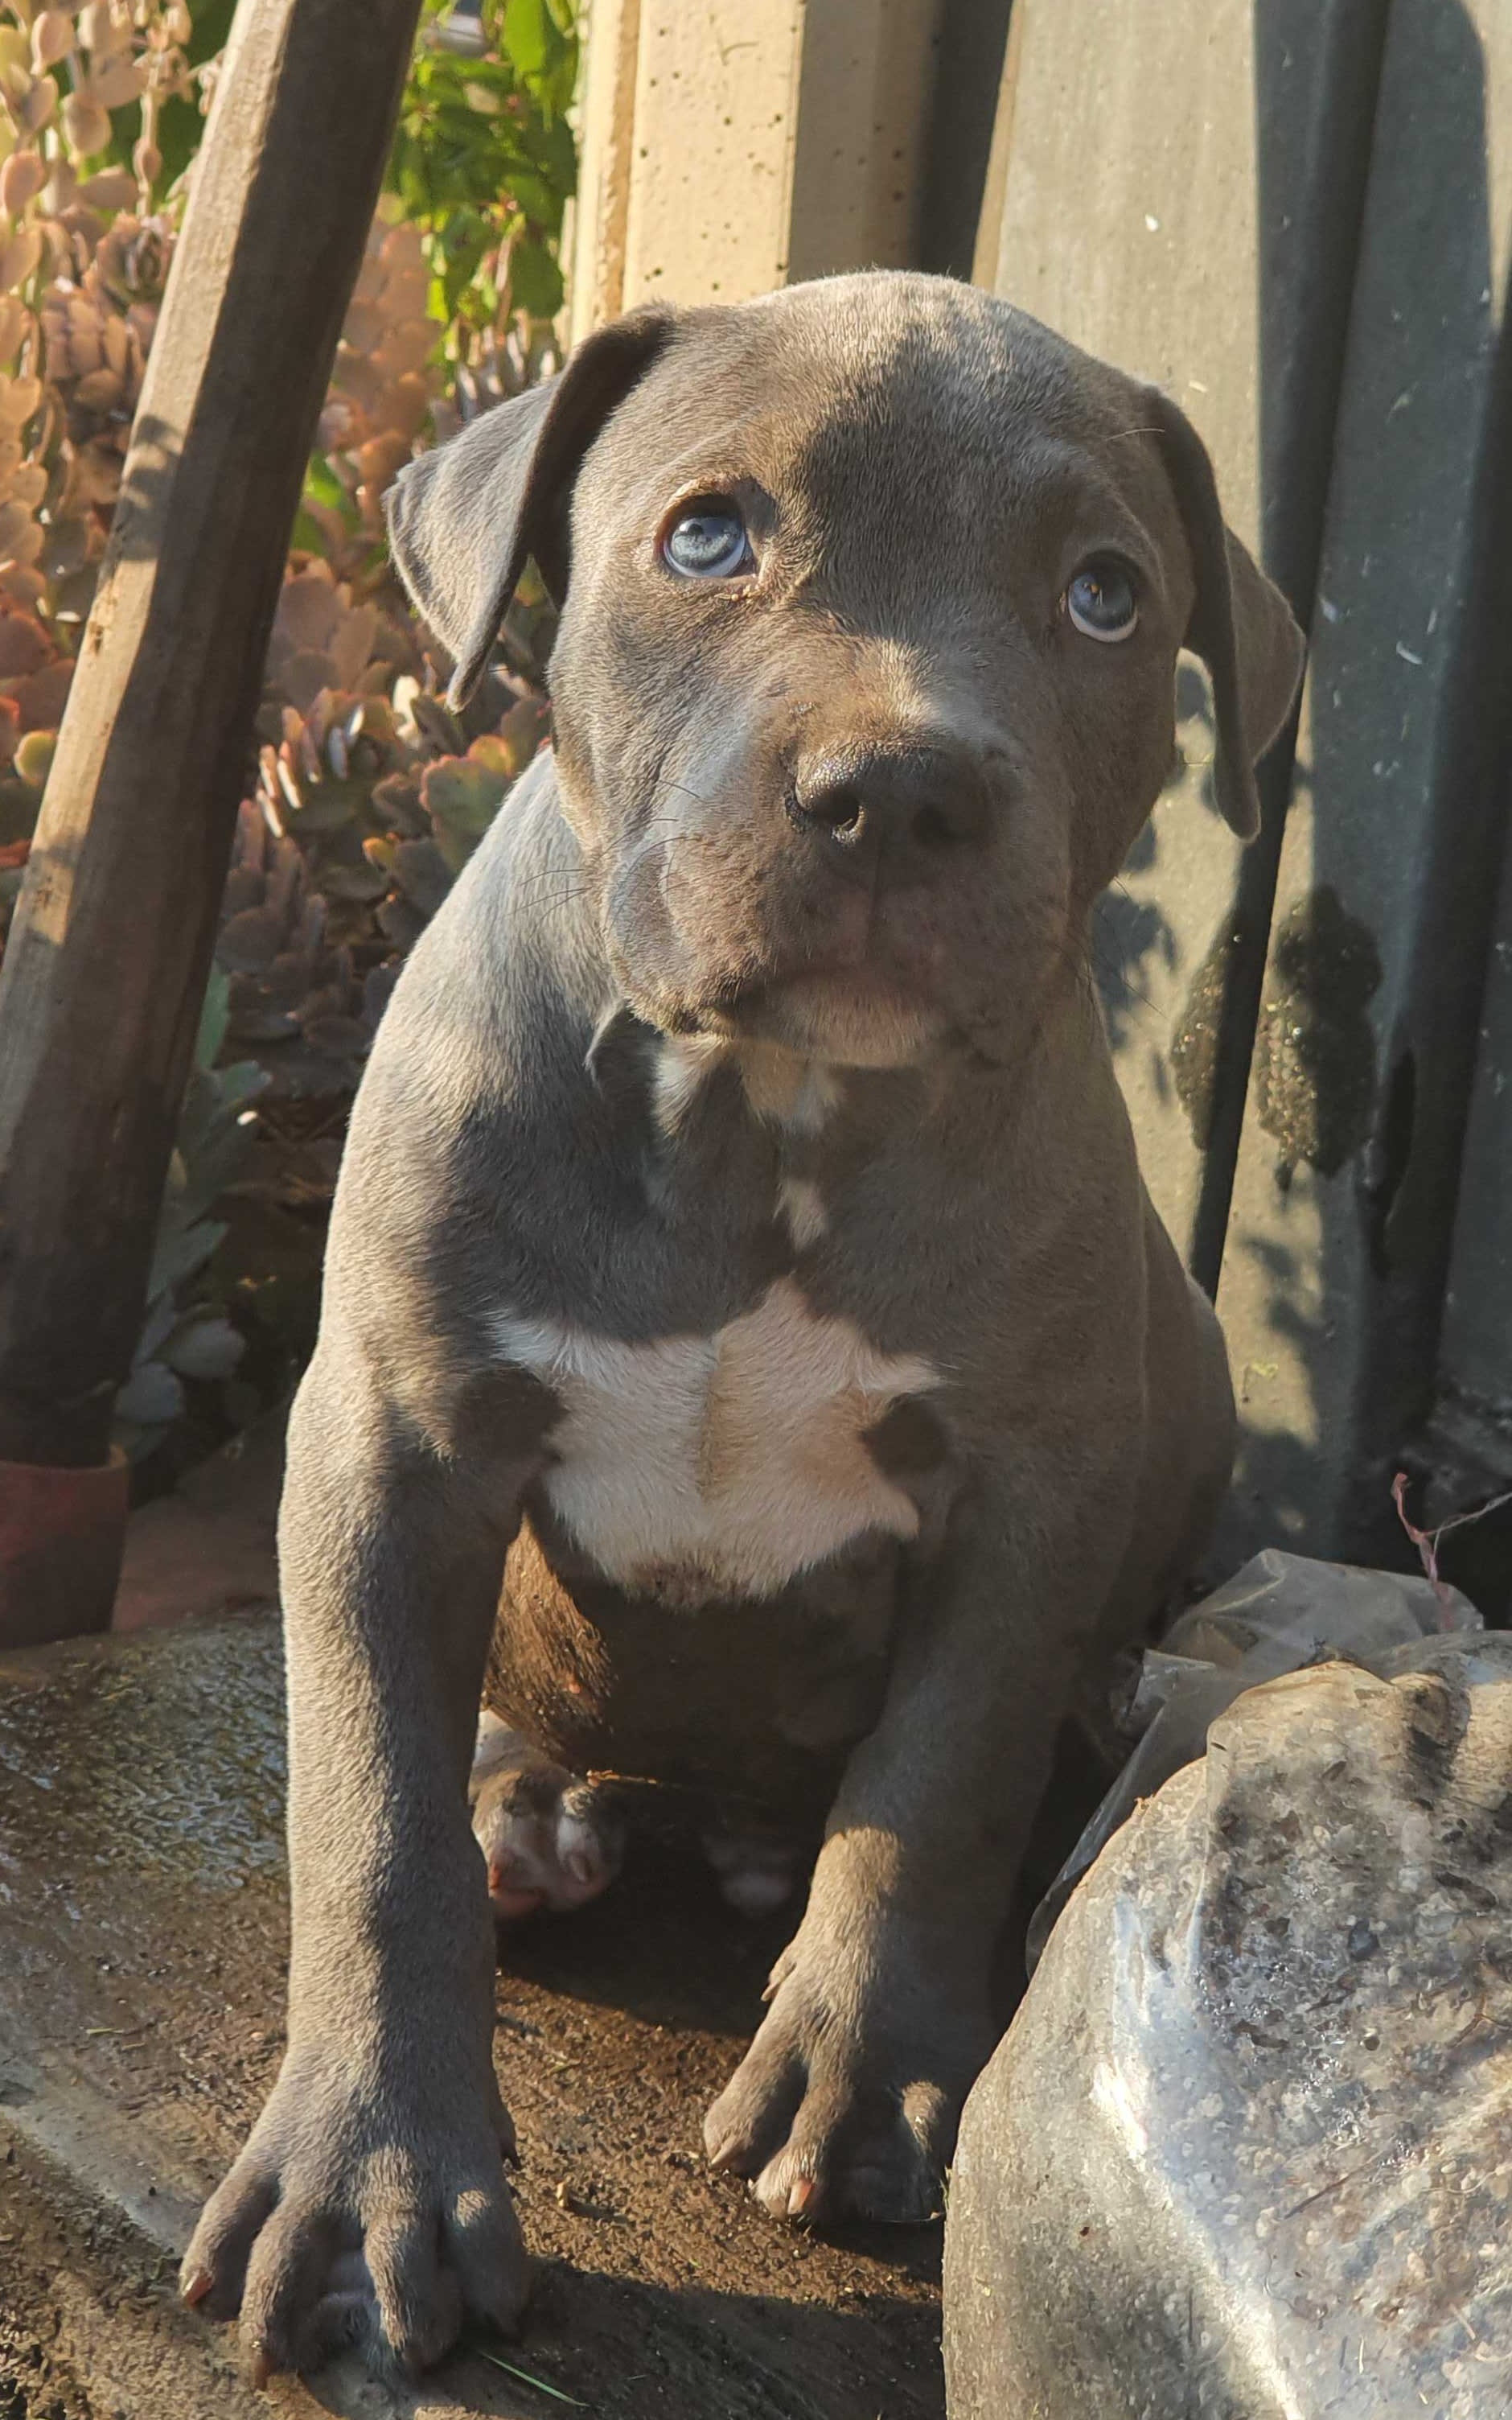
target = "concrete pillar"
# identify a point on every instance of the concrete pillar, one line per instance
(745, 143)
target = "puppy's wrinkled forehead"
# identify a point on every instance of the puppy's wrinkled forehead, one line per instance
(881, 415)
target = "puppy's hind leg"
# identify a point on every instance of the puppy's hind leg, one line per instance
(757, 1869)
(550, 1838)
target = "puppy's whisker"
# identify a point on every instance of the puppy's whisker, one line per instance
(540, 898)
(1110, 973)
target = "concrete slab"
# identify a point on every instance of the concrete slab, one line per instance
(143, 1930)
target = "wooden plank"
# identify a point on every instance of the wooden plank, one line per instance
(1334, 1277)
(1179, 189)
(111, 944)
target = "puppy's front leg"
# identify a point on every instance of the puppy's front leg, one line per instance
(369, 2206)
(880, 2017)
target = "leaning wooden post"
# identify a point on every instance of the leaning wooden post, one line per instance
(111, 944)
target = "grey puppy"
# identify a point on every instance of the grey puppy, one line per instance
(740, 1238)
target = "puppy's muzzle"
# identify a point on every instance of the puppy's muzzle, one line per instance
(904, 809)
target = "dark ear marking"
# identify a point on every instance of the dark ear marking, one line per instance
(464, 518)
(1241, 624)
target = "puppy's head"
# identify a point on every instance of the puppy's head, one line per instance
(870, 597)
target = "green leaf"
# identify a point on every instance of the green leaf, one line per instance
(535, 197)
(156, 1329)
(322, 483)
(219, 1162)
(181, 1253)
(239, 1084)
(204, 1345)
(462, 796)
(196, 1115)
(307, 536)
(555, 154)
(213, 1018)
(528, 34)
(361, 883)
(152, 1396)
(534, 281)
(327, 807)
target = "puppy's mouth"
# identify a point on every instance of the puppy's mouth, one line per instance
(850, 1016)
(708, 936)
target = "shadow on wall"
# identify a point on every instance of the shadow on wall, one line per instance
(1316, 72)
(1131, 936)
(1363, 1048)
(970, 42)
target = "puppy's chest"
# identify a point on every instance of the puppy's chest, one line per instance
(724, 1464)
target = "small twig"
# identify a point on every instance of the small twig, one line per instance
(1455, 2041)
(1426, 1540)
(1337, 2185)
(700, 1791)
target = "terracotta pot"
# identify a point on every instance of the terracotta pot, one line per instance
(61, 1535)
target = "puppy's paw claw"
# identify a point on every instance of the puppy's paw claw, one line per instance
(831, 2117)
(338, 2228)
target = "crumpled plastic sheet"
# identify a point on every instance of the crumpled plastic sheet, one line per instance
(1245, 2152)
(1279, 1614)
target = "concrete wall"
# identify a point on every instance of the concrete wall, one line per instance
(1296, 215)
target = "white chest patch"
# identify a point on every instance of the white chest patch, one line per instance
(722, 1465)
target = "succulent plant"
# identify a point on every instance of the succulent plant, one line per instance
(371, 798)
(367, 795)
(385, 379)
(186, 1335)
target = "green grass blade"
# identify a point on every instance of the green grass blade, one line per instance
(542, 2385)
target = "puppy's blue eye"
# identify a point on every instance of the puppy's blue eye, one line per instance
(708, 542)
(1101, 603)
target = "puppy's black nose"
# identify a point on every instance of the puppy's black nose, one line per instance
(928, 800)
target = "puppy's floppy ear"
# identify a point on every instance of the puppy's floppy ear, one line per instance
(463, 518)
(1241, 624)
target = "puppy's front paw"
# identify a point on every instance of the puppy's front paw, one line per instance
(841, 2107)
(550, 1838)
(348, 2224)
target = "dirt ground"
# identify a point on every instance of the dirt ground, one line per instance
(616, 2029)
(142, 1931)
